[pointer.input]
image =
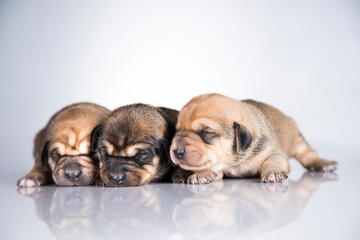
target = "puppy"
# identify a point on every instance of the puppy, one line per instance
(218, 136)
(133, 144)
(62, 149)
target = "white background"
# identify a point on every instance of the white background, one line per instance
(300, 56)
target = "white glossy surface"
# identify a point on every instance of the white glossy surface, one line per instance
(308, 206)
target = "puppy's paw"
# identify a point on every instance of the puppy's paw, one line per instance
(31, 180)
(322, 165)
(201, 177)
(274, 176)
(180, 176)
(99, 182)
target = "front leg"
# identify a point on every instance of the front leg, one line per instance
(275, 168)
(204, 176)
(180, 175)
(37, 177)
(99, 182)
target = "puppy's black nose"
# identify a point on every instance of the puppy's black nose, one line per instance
(72, 171)
(117, 178)
(179, 153)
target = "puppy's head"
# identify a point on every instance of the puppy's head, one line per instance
(67, 149)
(132, 144)
(209, 134)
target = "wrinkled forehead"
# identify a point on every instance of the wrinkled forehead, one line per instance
(195, 113)
(69, 141)
(198, 118)
(133, 128)
(129, 141)
(203, 123)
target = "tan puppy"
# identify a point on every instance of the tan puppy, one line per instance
(62, 148)
(217, 136)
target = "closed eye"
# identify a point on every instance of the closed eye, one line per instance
(207, 135)
(141, 156)
(55, 155)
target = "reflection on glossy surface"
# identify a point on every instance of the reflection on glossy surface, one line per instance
(243, 208)
(231, 208)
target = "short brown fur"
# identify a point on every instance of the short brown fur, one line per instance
(267, 136)
(133, 145)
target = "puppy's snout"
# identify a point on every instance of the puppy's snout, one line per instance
(117, 178)
(72, 171)
(179, 153)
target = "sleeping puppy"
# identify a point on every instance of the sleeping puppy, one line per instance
(218, 136)
(62, 148)
(133, 144)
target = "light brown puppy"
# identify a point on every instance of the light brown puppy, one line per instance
(217, 135)
(62, 149)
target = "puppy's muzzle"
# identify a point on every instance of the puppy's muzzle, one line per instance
(72, 171)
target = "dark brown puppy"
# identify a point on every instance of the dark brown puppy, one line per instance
(62, 148)
(133, 144)
(217, 136)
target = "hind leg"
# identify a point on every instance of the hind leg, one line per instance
(275, 168)
(309, 158)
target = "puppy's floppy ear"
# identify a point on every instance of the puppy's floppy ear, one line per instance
(45, 154)
(95, 137)
(170, 116)
(243, 137)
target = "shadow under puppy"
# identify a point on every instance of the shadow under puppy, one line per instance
(133, 144)
(62, 148)
(217, 135)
